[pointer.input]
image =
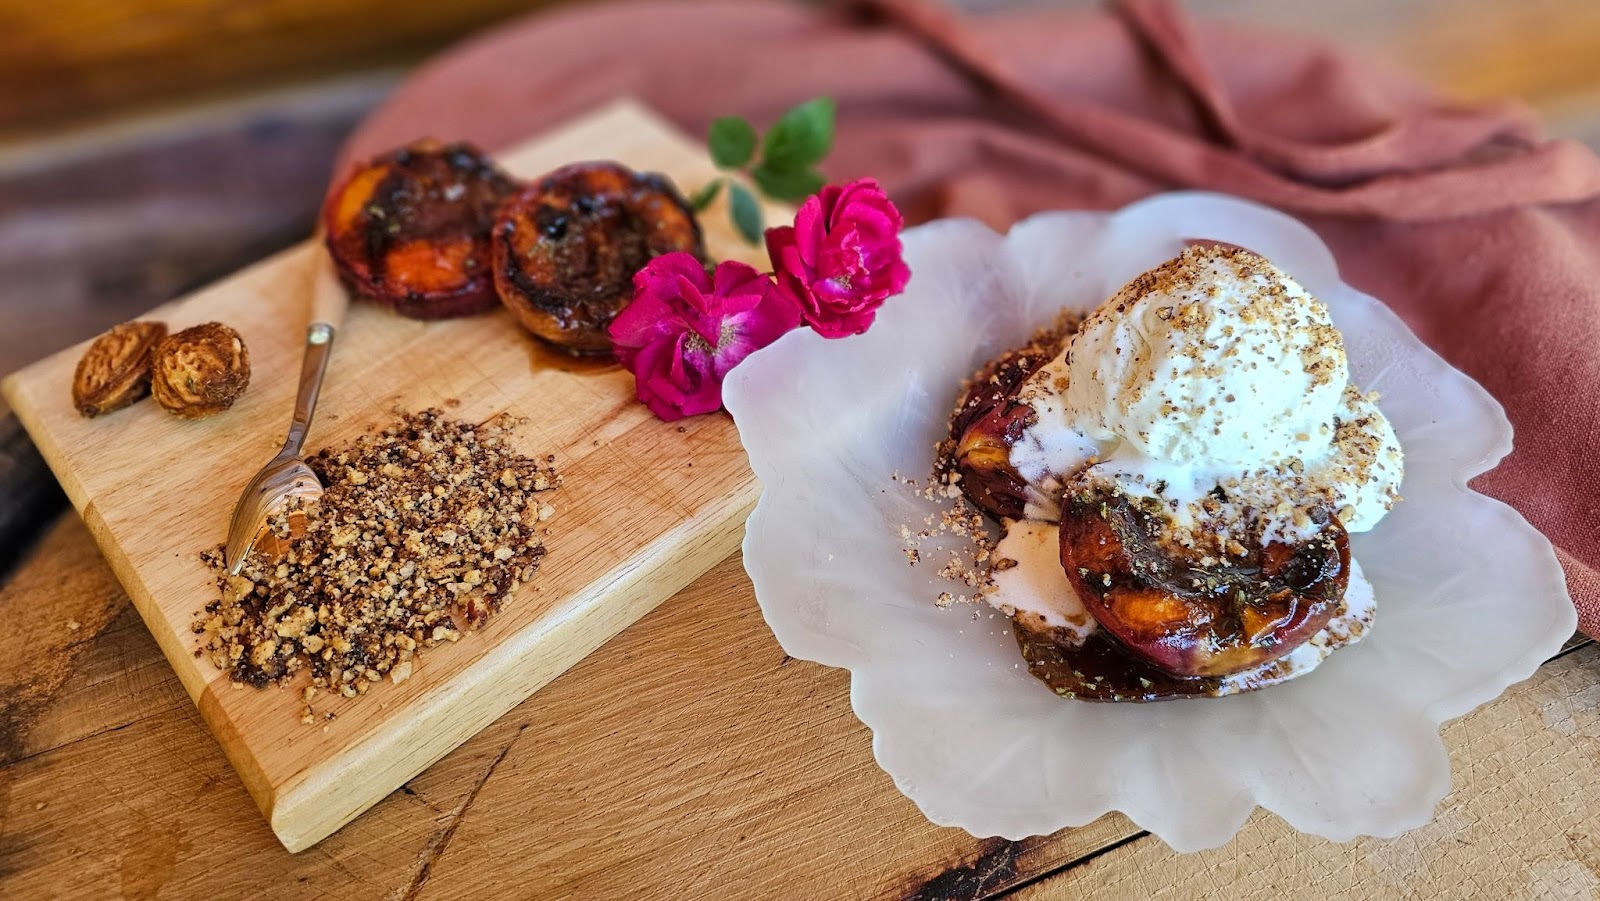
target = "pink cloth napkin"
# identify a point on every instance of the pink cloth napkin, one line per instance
(1482, 235)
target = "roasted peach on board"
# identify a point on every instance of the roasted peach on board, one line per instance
(410, 229)
(567, 246)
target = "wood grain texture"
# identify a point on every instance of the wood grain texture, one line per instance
(64, 612)
(139, 801)
(65, 59)
(102, 222)
(688, 757)
(32, 497)
(101, 226)
(1520, 823)
(646, 506)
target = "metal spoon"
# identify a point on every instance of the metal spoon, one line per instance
(287, 476)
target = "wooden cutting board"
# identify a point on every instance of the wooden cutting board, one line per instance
(645, 508)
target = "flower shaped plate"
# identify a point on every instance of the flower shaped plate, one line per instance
(1470, 597)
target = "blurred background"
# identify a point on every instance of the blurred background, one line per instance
(150, 146)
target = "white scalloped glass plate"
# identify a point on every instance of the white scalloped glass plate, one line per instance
(1470, 597)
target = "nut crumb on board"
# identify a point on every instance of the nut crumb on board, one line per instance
(423, 531)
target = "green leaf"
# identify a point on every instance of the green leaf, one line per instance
(732, 141)
(746, 212)
(801, 138)
(703, 197)
(790, 186)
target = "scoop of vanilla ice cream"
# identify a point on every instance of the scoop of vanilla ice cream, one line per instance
(1363, 469)
(1216, 356)
(1356, 476)
(1052, 447)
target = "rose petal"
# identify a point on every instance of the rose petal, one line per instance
(646, 319)
(653, 383)
(686, 328)
(733, 277)
(662, 274)
(842, 258)
(843, 325)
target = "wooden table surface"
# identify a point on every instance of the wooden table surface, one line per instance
(688, 757)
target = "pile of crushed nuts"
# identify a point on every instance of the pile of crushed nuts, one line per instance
(424, 530)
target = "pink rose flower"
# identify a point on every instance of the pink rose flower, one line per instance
(842, 257)
(686, 328)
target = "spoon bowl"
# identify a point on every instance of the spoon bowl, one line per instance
(286, 476)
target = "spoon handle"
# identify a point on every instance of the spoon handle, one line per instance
(328, 304)
(328, 297)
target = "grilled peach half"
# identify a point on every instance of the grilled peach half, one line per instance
(989, 420)
(567, 246)
(1192, 620)
(410, 229)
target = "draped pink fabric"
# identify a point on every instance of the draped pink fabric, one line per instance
(1481, 234)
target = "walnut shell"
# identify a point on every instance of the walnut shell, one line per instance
(200, 371)
(115, 370)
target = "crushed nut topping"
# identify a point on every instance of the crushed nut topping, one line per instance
(424, 530)
(957, 530)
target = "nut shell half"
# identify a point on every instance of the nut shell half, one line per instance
(200, 371)
(566, 248)
(410, 229)
(115, 370)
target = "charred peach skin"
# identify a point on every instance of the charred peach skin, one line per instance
(987, 422)
(566, 248)
(410, 229)
(1190, 620)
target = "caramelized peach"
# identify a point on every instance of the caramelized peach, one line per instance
(566, 248)
(1099, 669)
(987, 422)
(410, 229)
(1190, 615)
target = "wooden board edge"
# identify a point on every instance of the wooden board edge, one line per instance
(626, 108)
(16, 398)
(180, 656)
(315, 802)
(323, 798)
